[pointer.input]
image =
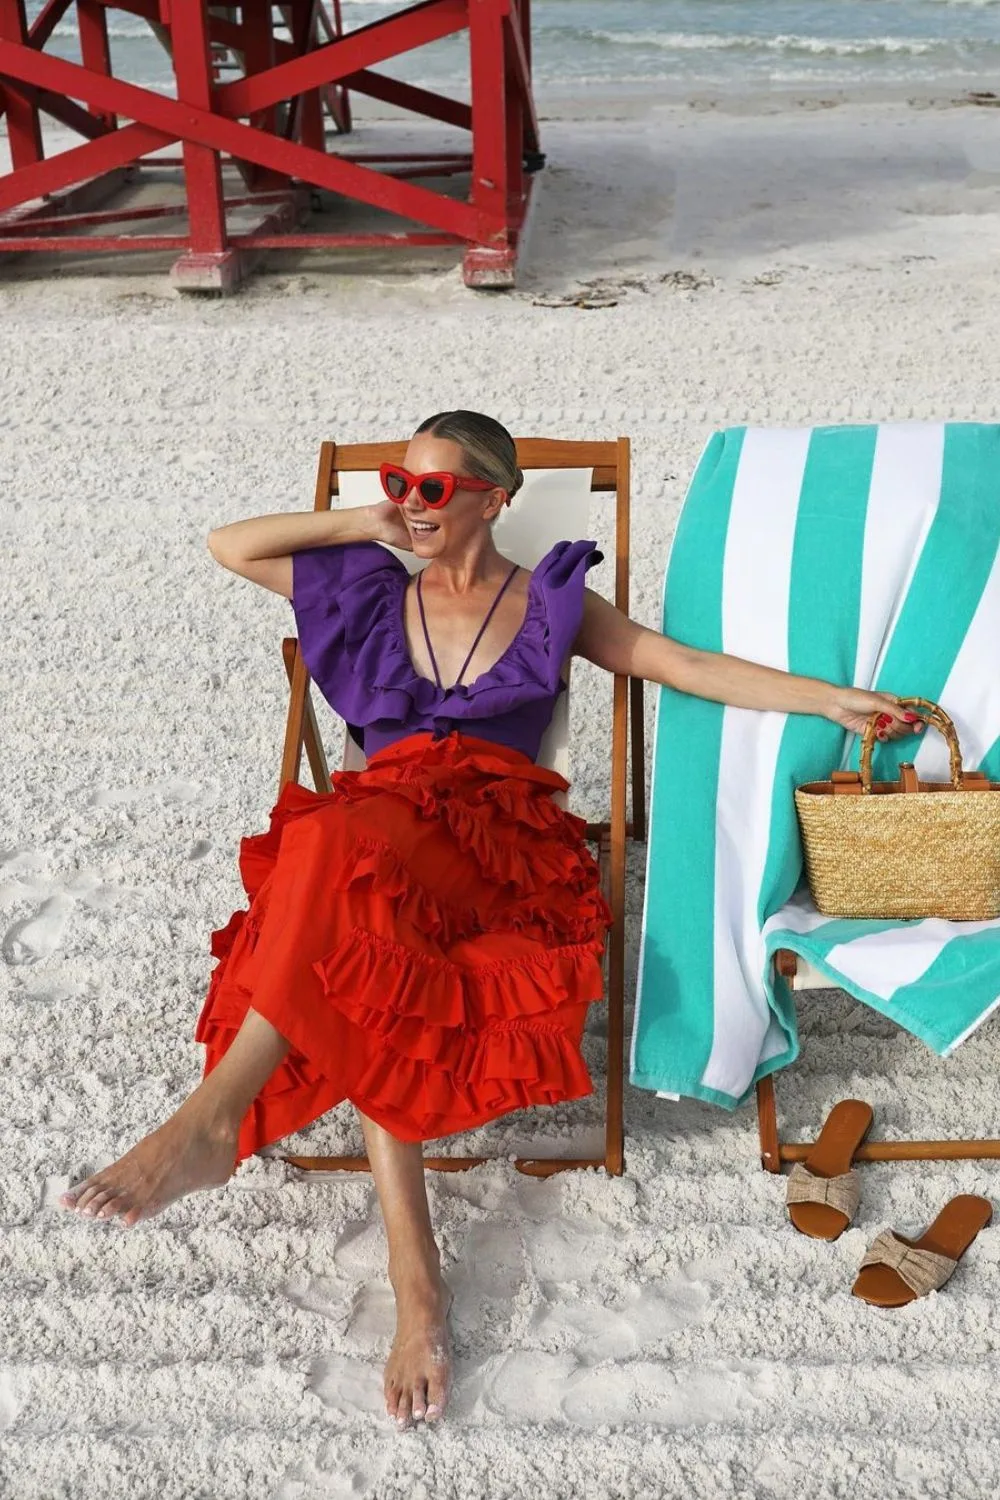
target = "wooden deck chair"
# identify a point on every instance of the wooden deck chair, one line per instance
(774, 1152)
(524, 533)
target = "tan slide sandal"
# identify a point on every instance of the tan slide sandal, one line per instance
(823, 1191)
(897, 1270)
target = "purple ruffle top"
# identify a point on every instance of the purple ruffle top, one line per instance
(348, 602)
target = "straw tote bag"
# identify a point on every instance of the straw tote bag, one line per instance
(906, 848)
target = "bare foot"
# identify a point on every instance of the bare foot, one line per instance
(418, 1370)
(185, 1154)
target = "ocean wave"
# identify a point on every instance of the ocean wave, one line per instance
(815, 46)
(140, 32)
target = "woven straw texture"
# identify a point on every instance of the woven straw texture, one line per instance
(891, 854)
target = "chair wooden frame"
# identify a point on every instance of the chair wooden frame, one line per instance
(610, 464)
(774, 1152)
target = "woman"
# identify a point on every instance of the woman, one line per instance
(426, 939)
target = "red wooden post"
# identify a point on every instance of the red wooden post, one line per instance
(489, 107)
(307, 109)
(340, 98)
(514, 111)
(95, 53)
(208, 265)
(23, 128)
(258, 56)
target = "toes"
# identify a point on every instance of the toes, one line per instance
(97, 1201)
(403, 1410)
(116, 1204)
(437, 1396)
(392, 1394)
(419, 1402)
(85, 1194)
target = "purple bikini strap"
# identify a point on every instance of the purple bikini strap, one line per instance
(482, 629)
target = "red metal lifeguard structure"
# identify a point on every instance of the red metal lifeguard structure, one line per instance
(295, 70)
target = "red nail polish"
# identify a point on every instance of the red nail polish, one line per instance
(912, 718)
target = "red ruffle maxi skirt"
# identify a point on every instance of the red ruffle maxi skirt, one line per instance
(427, 937)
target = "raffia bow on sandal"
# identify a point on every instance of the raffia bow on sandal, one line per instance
(896, 1270)
(842, 1193)
(824, 1191)
(922, 1270)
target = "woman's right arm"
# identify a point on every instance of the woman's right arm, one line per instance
(261, 549)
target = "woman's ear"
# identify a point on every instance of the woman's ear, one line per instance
(495, 504)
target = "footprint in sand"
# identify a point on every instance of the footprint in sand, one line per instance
(347, 1468)
(371, 1322)
(531, 1387)
(644, 1318)
(490, 1263)
(528, 1386)
(199, 849)
(569, 1249)
(172, 792)
(657, 1395)
(319, 1294)
(37, 937)
(348, 1387)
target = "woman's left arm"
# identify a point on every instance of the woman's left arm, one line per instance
(613, 641)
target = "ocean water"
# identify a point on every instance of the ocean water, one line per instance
(683, 47)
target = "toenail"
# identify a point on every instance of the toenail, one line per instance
(432, 1412)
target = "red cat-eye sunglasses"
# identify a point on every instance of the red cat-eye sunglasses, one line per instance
(435, 490)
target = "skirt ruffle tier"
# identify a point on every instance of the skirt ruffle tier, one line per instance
(427, 937)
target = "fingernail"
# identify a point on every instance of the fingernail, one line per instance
(882, 734)
(912, 718)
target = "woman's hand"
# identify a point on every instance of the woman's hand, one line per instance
(853, 707)
(387, 525)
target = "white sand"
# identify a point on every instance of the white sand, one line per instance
(665, 1334)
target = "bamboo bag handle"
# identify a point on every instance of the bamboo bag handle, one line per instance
(933, 714)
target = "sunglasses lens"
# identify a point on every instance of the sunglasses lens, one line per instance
(396, 484)
(431, 491)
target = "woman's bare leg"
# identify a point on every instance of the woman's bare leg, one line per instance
(196, 1148)
(418, 1369)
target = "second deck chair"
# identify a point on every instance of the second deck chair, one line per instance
(775, 1153)
(540, 517)
(866, 553)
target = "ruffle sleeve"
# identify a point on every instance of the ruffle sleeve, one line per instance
(348, 604)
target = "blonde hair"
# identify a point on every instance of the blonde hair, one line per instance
(488, 449)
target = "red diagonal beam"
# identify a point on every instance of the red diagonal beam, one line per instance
(408, 96)
(47, 20)
(160, 121)
(371, 44)
(64, 110)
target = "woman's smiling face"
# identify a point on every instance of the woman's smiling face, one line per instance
(450, 530)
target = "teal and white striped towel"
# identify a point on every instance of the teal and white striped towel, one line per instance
(865, 555)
